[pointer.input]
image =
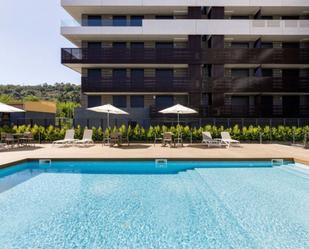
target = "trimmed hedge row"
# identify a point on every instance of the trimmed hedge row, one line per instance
(138, 133)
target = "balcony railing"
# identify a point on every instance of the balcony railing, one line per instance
(101, 23)
(140, 84)
(256, 84)
(185, 55)
(128, 55)
(261, 111)
(256, 55)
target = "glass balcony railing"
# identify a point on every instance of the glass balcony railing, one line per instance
(102, 23)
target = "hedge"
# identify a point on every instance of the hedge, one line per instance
(140, 134)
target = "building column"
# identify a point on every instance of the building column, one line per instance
(195, 70)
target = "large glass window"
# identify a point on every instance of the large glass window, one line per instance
(119, 20)
(164, 44)
(164, 78)
(94, 45)
(240, 45)
(164, 101)
(94, 101)
(137, 45)
(119, 77)
(137, 101)
(119, 44)
(267, 72)
(137, 78)
(290, 45)
(164, 17)
(240, 17)
(94, 73)
(240, 105)
(94, 20)
(120, 101)
(240, 72)
(266, 45)
(290, 105)
(136, 20)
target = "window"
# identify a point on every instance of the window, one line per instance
(290, 17)
(119, 20)
(164, 17)
(267, 72)
(119, 77)
(94, 21)
(94, 73)
(164, 101)
(240, 72)
(119, 44)
(164, 44)
(240, 17)
(266, 17)
(240, 45)
(266, 45)
(137, 101)
(136, 20)
(290, 45)
(94, 101)
(120, 101)
(164, 78)
(137, 45)
(240, 105)
(94, 45)
(137, 78)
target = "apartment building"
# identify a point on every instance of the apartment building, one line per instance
(224, 58)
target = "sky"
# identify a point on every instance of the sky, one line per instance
(30, 43)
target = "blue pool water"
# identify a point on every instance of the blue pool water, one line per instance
(196, 205)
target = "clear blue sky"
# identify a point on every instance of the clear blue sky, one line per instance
(30, 43)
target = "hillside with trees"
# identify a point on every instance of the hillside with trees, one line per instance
(66, 95)
(59, 92)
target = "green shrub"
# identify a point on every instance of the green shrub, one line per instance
(140, 134)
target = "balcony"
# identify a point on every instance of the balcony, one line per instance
(128, 55)
(256, 84)
(285, 29)
(141, 84)
(261, 111)
(184, 56)
(237, 111)
(256, 56)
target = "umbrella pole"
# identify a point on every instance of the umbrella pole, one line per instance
(178, 125)
(107, 120)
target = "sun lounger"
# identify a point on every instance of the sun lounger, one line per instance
(68, 138)
(226, 138)
(87, 138)
(209, 141)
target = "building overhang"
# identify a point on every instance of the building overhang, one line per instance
(78, 67)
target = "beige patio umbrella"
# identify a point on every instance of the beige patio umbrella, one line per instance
(178, 109)
(109, 109)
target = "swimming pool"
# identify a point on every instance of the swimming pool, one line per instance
(140, 204)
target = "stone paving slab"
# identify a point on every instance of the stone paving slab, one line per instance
(149, 151)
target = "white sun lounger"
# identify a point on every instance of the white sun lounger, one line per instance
(87, 138)
(68, 138)
(226, 138)
(209, 141)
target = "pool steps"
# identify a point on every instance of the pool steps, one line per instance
(237, 236)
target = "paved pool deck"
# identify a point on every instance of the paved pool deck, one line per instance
(149, 151)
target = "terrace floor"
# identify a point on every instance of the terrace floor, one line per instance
(149, 151)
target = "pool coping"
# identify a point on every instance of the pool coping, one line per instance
(6, 165)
